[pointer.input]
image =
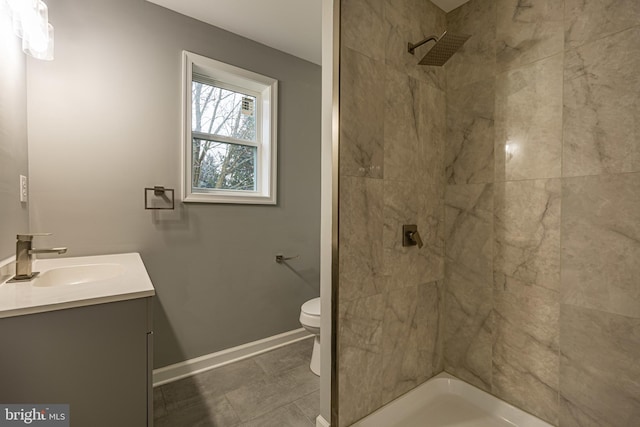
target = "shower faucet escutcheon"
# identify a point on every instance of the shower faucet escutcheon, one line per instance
(24, 258)
(410, 236)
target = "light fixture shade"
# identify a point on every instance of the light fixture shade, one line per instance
(22, 11)
(39, 44)
(30, 20)
(37, 33)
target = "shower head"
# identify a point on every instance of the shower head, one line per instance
(446, 45)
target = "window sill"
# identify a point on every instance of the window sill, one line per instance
(246, 200)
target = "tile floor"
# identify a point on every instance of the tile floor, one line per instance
(272, 389)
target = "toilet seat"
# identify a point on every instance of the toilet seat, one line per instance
(310, 313)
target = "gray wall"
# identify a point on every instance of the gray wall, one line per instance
(543, 235)
(14, 216)
(392, 128)
(104, 122)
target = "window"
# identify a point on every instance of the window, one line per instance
(229, 133)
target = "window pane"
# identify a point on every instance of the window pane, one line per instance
(223, 112)
(223, 166)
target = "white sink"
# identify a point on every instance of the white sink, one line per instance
(76, 282)
(77, 274)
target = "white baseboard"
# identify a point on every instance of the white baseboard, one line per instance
(321, 422)
(190, 367)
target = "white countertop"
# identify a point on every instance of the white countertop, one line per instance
(20, 298)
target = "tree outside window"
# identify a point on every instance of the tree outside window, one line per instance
(221, 164)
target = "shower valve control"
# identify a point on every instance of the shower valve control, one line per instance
(410, 236)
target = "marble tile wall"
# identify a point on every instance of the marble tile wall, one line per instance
(528, 114)
(392, 135)
(542, 202)
(527, 31)
(599, 368)
(600, 301)
(601, 86)
(520, 163)
(468, 286)
(526, 306)
(469, 151)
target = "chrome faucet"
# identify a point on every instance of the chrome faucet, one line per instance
(24, 259)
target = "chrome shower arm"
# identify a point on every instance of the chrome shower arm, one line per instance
(412, 46)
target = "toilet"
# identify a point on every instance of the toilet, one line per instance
(310, 320)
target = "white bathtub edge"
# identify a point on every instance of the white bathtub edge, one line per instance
(321, 422)
(445, 383)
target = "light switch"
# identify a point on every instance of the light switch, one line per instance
(23, 189)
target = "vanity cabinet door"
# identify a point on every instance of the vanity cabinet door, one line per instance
(93, 358)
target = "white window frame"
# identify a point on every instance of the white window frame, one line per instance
(266, 91)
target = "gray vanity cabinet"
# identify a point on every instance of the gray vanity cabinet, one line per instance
(95, 358)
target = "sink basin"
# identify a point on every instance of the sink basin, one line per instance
(76, 282)
(77, 274)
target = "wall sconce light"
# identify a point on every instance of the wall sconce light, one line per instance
(31, 23)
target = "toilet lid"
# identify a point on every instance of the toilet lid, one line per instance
(312, 307)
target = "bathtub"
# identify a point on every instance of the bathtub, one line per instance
(445, 401)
